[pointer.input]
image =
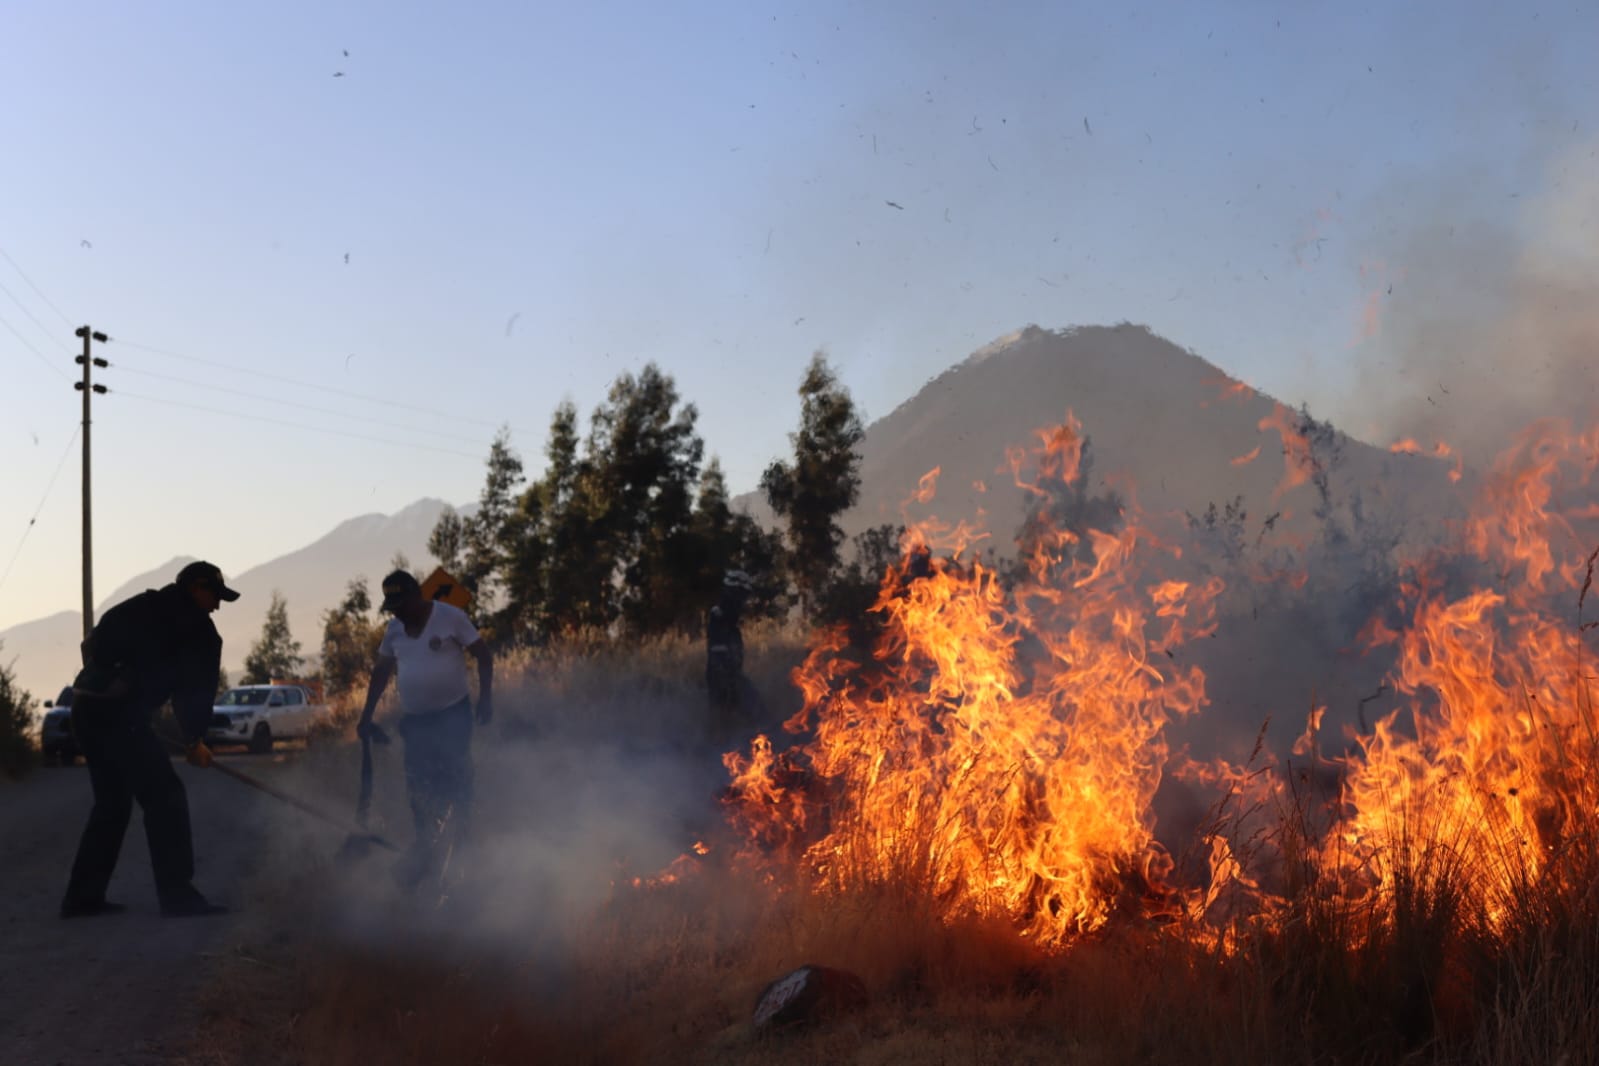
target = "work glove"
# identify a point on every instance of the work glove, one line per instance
(199, 755)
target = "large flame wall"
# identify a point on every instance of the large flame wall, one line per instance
(1000, 746)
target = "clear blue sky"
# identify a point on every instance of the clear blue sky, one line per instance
(699, 185)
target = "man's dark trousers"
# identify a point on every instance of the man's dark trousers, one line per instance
(128, 762)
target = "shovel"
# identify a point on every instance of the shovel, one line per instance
(364, 800)
(356, 844)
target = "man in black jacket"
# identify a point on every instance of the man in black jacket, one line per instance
(160, 645)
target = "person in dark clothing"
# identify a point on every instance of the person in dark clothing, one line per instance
(157, 646)
(724, 655)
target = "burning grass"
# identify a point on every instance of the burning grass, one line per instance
(670, 975)
(965, 815)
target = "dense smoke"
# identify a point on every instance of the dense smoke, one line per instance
(575, 796)
(1487, 327)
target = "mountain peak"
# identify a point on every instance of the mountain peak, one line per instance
(1167, 426)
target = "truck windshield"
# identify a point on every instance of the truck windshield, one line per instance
(242, 697)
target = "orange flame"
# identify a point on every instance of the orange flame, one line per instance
(1228, 389)
(1001, 746)
(1248, 457)
(1298, 461)
(1408, 446)
(1499, 705)
(998, 749)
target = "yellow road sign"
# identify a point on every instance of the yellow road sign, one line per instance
(441, 586)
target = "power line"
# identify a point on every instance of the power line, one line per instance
(57, 371)
(42, 327)
(29, 527)
(126, 369)
(305, 384)
(294, 425)
(37, 291)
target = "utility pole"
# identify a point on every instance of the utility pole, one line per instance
(88, 388)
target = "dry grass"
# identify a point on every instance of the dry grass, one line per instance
(559, 959)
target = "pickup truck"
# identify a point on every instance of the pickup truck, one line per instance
(261, 715)
(56, 740)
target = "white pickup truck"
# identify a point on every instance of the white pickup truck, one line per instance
(261, 715)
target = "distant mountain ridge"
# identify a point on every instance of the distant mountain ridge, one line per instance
(312, 579)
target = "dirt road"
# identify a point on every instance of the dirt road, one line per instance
(115, 990)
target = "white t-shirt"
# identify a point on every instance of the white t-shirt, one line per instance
(432, 674)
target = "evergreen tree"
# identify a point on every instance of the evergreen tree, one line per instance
(561, 475)
(483, 537)
(622, 533)
(350, 637)
(823, 480)
(526, 550)
(725, 539)
(554, 562)
(714, 532)
(563, 545)
(447, 542)
(601, 538)
(657, 455)
(17, 749)
(276, 654)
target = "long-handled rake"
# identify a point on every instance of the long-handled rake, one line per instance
(356, 839)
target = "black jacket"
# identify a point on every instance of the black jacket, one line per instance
(155, 647)
(724, 641)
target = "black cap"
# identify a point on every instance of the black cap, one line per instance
(396, 587)
(207, 574)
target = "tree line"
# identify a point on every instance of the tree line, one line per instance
(629, 529)
(627, 532)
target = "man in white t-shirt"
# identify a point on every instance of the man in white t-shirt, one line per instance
(422, 644)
